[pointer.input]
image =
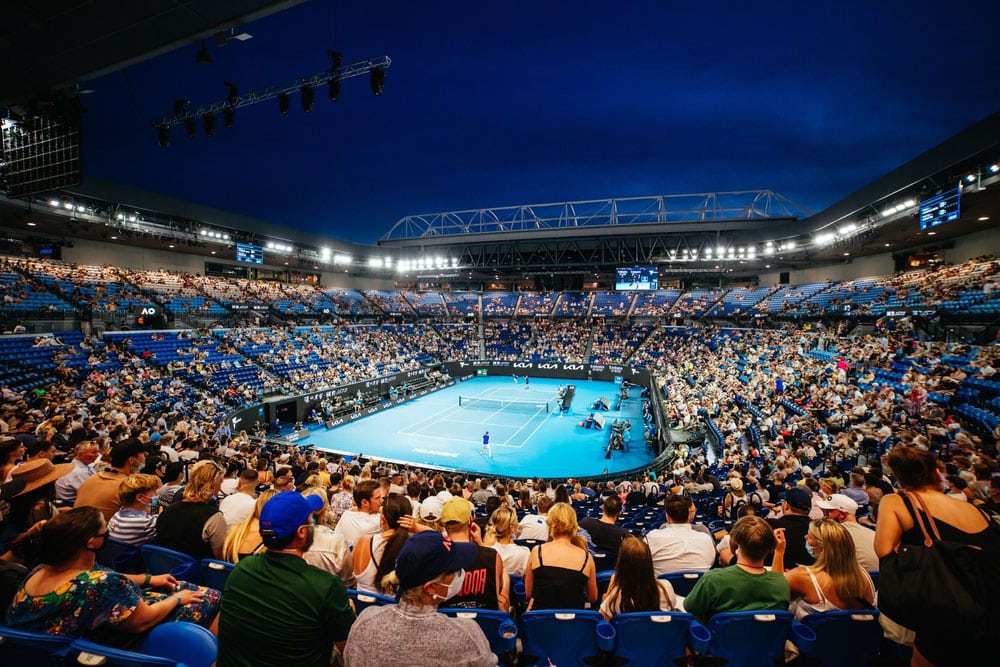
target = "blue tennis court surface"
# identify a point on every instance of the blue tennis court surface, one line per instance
(527, 440)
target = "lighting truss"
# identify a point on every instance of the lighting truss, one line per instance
(271, 92)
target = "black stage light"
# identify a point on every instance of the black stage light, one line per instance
(191, 126)
(163, 136)
(334, 89)
(203, 57)
(336, 58)
(228, 117)
(377, 80)
(308, 95)
(284, 102)
(232, 95)
(209, 121)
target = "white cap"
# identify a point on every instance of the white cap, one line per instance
(838, 501)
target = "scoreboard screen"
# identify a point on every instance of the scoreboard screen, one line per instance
(249, 253)
(941, 208)
(636, 278)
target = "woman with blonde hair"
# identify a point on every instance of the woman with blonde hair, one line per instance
(561, 574)
(501, 530)
(194, 526)
(835, 581)
(634, 586)
(244, 538)
(135, 522)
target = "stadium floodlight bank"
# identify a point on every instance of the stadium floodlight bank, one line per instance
(502, 404)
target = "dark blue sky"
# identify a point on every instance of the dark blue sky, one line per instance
(493, 104)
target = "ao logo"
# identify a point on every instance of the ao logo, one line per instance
(148, 311)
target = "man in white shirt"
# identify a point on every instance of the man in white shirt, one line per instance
(239, 506)
(365, 519)
(842, 509)
(678, 547)
(534, 526)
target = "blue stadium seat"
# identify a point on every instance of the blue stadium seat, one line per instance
(166, 561)
(363, 600)
(682, 582)
(657, 638)
(756, 638)
(831, 629)
(177, 644)
(564, 637)
(19, 647)
(498, 627)
(214, 573)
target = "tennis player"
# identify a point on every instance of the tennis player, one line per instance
(486, 445)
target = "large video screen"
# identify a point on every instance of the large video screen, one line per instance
(249, 253)
(636, 278)
(941, 208)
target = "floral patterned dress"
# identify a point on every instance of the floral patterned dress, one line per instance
(93, 603)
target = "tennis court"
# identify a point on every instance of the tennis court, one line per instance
(529, 438)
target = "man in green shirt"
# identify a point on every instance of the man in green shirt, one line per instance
(277, 609)
(746, 586)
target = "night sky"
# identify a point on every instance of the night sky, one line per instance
(504, 103)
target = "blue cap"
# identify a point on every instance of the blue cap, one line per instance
(429, 554)
(282, 515)
(798, 497)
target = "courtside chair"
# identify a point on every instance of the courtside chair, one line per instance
(363, 600)
(756, 638)
(214, 573)
(159, 560)
(652, 639)
(498, 627)
(177, 644)
(564, 637)
(682, 582)
(19, 647)
(845, 637)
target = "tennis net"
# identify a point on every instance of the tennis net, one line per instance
(502, 404)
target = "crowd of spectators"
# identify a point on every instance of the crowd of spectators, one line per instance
(815, 431)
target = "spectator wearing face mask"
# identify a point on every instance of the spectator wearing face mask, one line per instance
(101, 490)
(135, 522)
(430, 569)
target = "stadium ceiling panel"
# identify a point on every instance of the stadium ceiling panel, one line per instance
(48, 45)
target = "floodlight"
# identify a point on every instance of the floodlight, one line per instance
(232, 96)
(377, 80)
(209, 121)
(191, 126)
(333, 88)
(308, 95)
(228, 117)
(203, 57)
(284, 102)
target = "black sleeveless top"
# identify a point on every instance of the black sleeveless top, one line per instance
(479, 589)
(180, 528)
(559, 587)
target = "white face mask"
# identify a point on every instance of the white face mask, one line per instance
(454, 588)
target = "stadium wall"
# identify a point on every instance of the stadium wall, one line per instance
(861, 267)
(131, 257)
(986, 242)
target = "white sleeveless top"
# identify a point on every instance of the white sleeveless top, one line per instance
(802, 608)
